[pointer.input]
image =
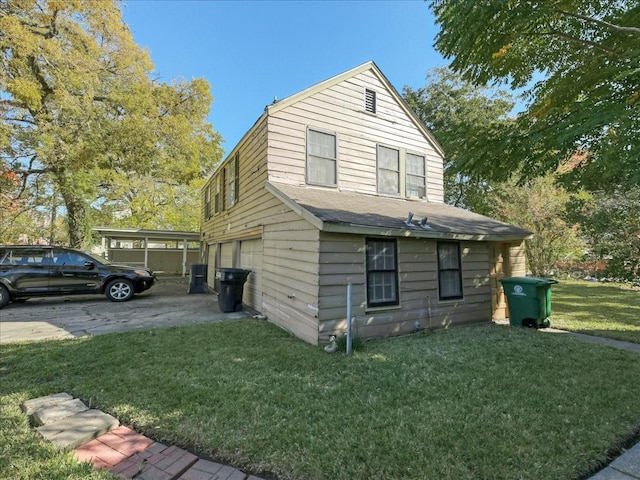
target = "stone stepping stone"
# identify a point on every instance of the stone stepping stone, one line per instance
(32, 406)
(75, 430)
(58, 411)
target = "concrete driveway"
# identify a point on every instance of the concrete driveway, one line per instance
(166, 304)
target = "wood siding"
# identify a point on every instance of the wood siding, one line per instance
(251, 259)
(340, 110)
(290, 276)
(300, 273)
(342, 261)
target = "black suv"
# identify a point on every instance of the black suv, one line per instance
(37, 271)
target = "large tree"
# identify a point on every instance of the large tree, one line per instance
(79, 106)
(583, 59)
(461, 116)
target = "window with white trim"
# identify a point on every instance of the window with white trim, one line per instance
(382, 273)
(416, 179)
(388, 170)
(321, 158)
(449, 271)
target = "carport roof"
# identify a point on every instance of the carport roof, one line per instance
(137, 233)
(354, 212)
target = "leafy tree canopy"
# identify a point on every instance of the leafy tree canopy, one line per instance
(81, 111)
(461, 115)
(587, 107)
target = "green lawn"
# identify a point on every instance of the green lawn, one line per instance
(607, 310)
(466, 403)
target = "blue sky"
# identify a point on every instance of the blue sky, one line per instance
(253, 51)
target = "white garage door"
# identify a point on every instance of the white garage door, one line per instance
(251, 259)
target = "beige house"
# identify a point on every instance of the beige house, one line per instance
(342, 184)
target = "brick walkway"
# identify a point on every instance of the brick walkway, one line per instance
(129, 454)
(97, 438)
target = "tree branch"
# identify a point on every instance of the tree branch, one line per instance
(555, 33)
(610, 26)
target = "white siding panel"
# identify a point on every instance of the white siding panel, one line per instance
(340, 109)
(251, 259)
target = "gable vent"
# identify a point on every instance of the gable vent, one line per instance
(370, 101)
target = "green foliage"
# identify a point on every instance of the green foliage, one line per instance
(540, 206)
(79, 106)
(588, 103)
(461, 117)
(611, 224)
(357, 343)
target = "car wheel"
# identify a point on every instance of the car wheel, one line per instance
(4, 296)
(119, 290)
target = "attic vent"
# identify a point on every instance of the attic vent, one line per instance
(370, 101)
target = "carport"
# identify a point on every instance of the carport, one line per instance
(161, 250)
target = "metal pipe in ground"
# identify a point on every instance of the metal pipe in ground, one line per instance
(349, 336)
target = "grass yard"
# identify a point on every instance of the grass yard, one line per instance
(466, 403)
(601, 309)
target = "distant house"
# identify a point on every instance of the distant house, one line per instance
(342, 184)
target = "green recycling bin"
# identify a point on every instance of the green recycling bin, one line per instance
(529, 301)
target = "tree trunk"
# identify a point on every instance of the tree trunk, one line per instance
(77, 217)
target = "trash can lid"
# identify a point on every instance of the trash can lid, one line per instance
(529, 280)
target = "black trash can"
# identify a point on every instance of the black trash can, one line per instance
(231, 282)
(198, 279)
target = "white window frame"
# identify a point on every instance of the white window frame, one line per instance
(380, 169)
(409, 175)
(311, 157)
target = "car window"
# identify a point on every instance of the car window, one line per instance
(69, 259)
(24, 256)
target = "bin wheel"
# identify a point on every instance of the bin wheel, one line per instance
(546, 323)
(529, 323)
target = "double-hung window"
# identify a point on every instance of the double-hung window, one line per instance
(232, 178)
(217, 206)
(449, 271)
(388, 170)
(321, 158)
(382, 273)
(207, 202)
(415, 180)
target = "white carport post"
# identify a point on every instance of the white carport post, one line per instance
(184, 257)
(146, 251)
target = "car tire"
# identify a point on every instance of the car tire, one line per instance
(4, 296)
(119, 290)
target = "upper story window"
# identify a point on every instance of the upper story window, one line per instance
(401, 173)
(370, 100)
(449, 271)
(416, 179)
(217, 204)
(321, 158)
(388, 170)
(232, 178)
(207, 201)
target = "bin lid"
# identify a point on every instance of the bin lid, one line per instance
(529, 280)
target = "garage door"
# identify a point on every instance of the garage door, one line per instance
(251, 259)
